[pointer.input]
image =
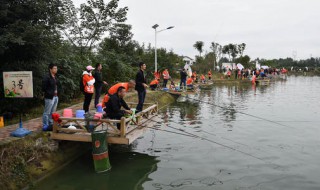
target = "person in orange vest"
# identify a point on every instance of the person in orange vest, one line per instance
(154, 84)
(253, 80)
(113, 90)
(209, 74)
(166, 77)
(194, 75)
(283, 70)
(157, 75)
(190, 82)
(229, 73)
(88, 83)
(203, 79)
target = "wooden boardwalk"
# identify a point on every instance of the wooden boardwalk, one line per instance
(130, 128)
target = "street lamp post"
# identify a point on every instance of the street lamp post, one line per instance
(155, 43)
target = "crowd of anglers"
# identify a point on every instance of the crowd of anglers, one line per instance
(91, 83)
(115, 107)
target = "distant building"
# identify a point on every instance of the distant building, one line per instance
(229, 66)
(187, 60)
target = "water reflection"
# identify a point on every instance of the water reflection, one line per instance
(80, 173)
(188, 110)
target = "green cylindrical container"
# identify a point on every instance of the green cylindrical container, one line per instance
(100, 151)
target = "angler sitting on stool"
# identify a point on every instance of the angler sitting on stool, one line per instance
(113, 106)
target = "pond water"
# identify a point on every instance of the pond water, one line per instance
(228, 137)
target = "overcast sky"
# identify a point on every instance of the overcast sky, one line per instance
(270, 28)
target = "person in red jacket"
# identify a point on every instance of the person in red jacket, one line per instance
(209, 74)
(88, 83)
(166, 77)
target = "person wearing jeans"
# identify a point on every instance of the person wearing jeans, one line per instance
(141, 85)
(50, 88)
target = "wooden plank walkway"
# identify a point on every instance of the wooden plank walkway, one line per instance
(130, 128)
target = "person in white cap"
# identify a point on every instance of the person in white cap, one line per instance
(88, 83)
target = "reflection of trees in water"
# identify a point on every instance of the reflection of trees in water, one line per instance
(262, 88)
(129, 171)
(186, 109)
(229, 113)
(228, 98)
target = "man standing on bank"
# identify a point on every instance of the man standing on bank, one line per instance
(98, 84)
(141, 85)
(50, 89)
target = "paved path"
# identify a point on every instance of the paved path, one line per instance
(34, 125)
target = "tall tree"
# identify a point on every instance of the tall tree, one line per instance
(231, 50)
(86, 26)
(217, 50)
(225, 50)
(199, 46)
(241, 48)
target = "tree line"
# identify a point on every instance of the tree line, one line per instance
(35, 33)
(215, 56)
(219, 54)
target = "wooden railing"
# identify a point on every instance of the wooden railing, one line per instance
(81, 133)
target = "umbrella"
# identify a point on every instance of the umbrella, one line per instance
(240, 66)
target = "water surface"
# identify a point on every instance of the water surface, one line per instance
(229, 137)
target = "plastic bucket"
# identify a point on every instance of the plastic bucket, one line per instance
(80, 113)
(97, 116)
(99, 108)
(67, 113)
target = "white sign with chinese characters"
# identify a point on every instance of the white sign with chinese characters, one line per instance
(18, 84)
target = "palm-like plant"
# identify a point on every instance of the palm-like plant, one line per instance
(199, 45)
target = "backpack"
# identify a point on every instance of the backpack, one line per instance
(81, 84)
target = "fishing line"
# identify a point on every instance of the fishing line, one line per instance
(206, 132)
(209, 140)
(240, 112)
(159, 129)
(185, 133)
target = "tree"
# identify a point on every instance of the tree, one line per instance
(29, 40)
(231, 50)
(225, 50)
(86, 26)
(217, 51)
(241, 48)
(28, 29)
(198, 46)
(244, 60)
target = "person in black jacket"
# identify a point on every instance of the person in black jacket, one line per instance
(98, 84)
(183, 78)
(141, 85)
(50, 88)
(113, 106)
